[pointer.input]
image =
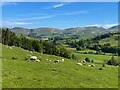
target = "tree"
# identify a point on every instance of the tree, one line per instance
(87, 59)
(112, 61)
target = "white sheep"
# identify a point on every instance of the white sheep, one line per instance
(56, 61)
(92, 65)
(33, 58)
(80, 64)
(37, 60)
(10, 47)
(62, 60)
(84, 61)
(89, 65)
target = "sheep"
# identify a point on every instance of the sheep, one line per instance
(33, 58)
(89, 65)
(92, 65)
(31, 52)
(50, 60)
(47, 59)
(10, 47)
(84, 61)
(37, 60)
(56, 61)
(80, 64)
(62, 60)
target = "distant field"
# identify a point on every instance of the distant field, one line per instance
(45, 74)
(97, 58)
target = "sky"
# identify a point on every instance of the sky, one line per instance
(59, 14)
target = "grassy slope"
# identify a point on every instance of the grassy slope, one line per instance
(111, 40)
(22, 74)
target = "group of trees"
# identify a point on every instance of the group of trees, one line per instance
(45, 47)
(112, 61)
(94, 45)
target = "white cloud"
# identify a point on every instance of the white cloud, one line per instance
(55, 6)
(7, 3)
(58, 5)
(20, 23)
(104, 25)
(32, 18)
(76, 13)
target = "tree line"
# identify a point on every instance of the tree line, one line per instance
(93, 44)
(11, 39)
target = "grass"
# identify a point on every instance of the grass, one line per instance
(45, 74)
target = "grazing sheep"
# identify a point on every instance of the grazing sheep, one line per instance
(47, 59)
(10, 47)
(37, 60)
(56, 61)
(62, 60)
(80, 64)
(50, 60)
(89, 65)
(84, 61)
(31, 52)
(33, 58)
(92, 65)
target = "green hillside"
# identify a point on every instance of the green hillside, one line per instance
(20, 73)
(113, 40)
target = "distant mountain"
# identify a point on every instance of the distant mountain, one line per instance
(20, 30)
(81, 31)
(47, 31)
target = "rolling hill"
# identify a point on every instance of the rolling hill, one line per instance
(19, 73)
(82, 31)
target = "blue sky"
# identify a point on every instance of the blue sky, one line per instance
(59, 14)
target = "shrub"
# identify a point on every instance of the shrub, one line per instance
(87, 59)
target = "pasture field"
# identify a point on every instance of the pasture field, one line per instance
(96, 58)
(20, 73)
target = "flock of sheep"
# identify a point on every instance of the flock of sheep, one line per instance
(34, 58)
(83, 61)
(79, 63)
